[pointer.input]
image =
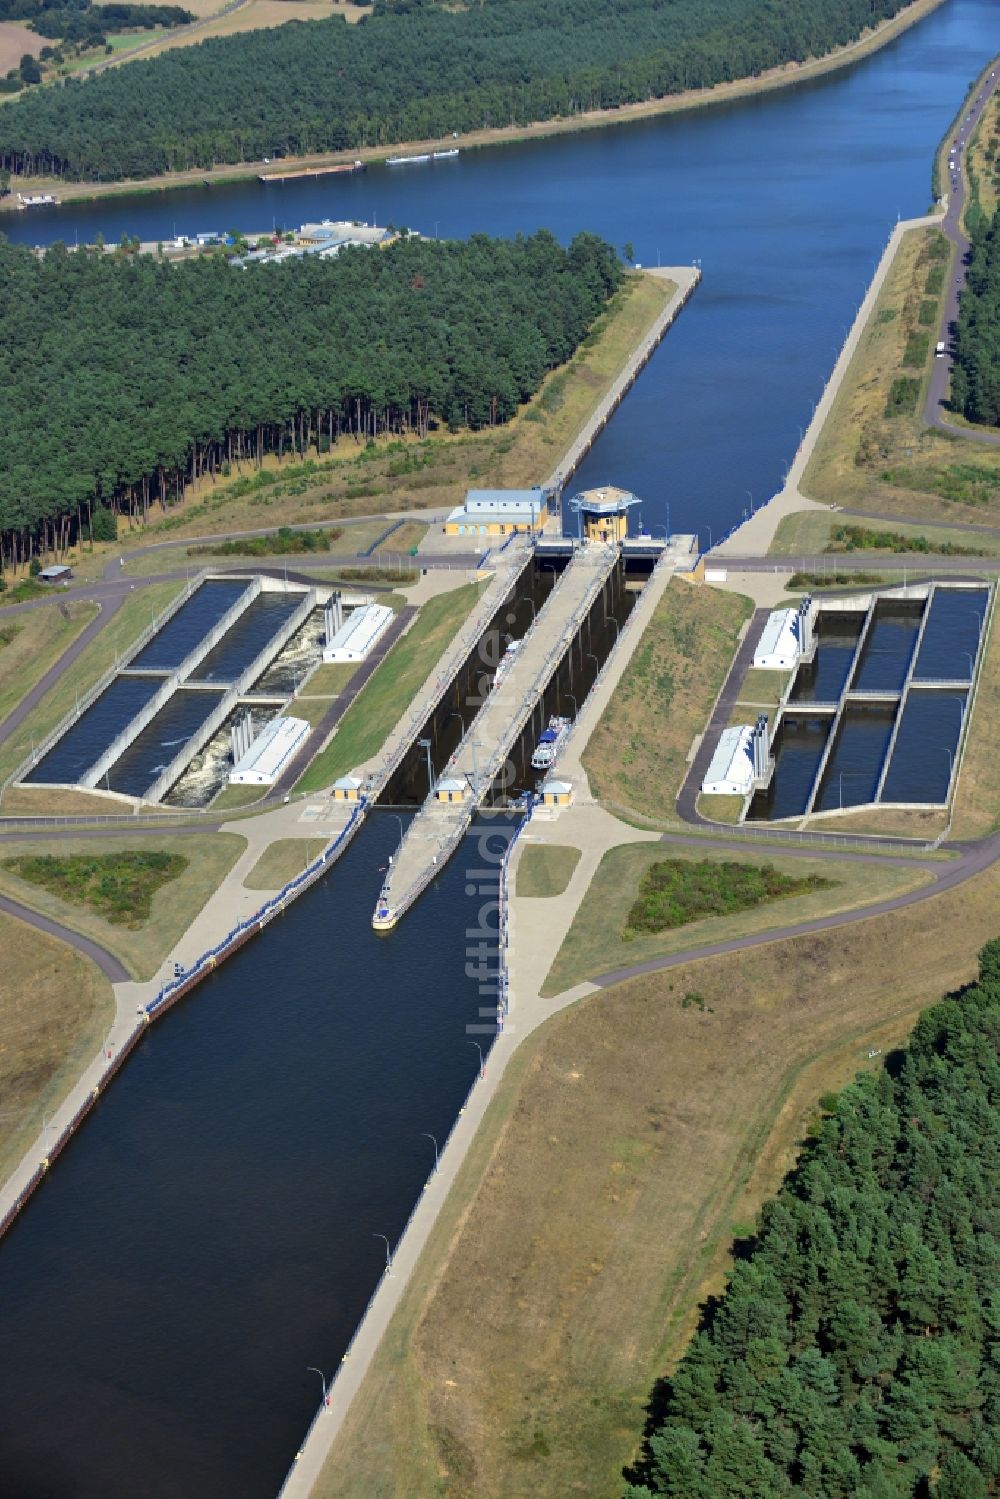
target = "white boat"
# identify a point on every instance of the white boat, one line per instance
(506, 662)
(550, 743)
(405, 161)
(445, 155)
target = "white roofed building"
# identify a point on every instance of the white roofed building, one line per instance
(779, 647)
(269, 753)
(359, 633)
(731, 772)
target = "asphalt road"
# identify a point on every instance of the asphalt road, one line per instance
(106, 961)
(936, 407)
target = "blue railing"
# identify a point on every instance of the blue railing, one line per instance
(260, 916)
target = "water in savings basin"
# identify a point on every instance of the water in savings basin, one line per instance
(885, 659)
(952, 634)
(86, 740)
(799, 749)
(925, 748)
(247, 637)
(191, 623)
(160, 741)
(823, 679)
(853, 769)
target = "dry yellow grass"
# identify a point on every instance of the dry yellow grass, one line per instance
(859, 443)
(15, 41)
(282, 861)
(594, 944)
(631, 1139)
(545, 869)
(31, 643)
(55, 1009)
(637, 756)
(47, 801)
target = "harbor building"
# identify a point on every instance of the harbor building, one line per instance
(269, 753)
(602, 514)
(498, 512)
(358, 634)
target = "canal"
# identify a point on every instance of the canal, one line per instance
(211, 1231)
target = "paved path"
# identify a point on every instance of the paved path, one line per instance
(33, 697)
(106, 961)
(936, 405)
(722, 712)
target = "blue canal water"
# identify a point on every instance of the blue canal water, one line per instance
(247, 637)
(83, 744)
(210, 1232)
(192, 622)
(925, 749)
(160, 741)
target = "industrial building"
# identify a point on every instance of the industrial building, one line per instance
(741, 761)
(498, 512)
(787, 638)
(359, 633)
(270, 753)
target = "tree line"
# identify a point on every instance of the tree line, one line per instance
(407, 72)
(975, 385)
(123, 379)
(856, 1351)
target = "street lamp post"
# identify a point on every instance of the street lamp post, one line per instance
(591, 657)
(437, 1154)
(311, 1369)
(388, 1253)
(576, 710)
(482, 1064)
(951, 764)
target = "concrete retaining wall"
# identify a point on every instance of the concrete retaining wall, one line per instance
(230, 698)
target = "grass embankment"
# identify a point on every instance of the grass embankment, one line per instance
(119, 633)
(282, 861)
(143, 943)
(283, 543)
(817, 582)
(723, 93)
(809, 532)
(118, 887)
(599, 940)
(874, 454)
(520, 1361)
(637, 756)
(398, 476)
(55, 1009)
(545, 869)
(675, 892)
(384, 699)
(354, 536)
(33, 642)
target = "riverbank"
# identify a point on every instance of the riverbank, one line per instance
(725, 93)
